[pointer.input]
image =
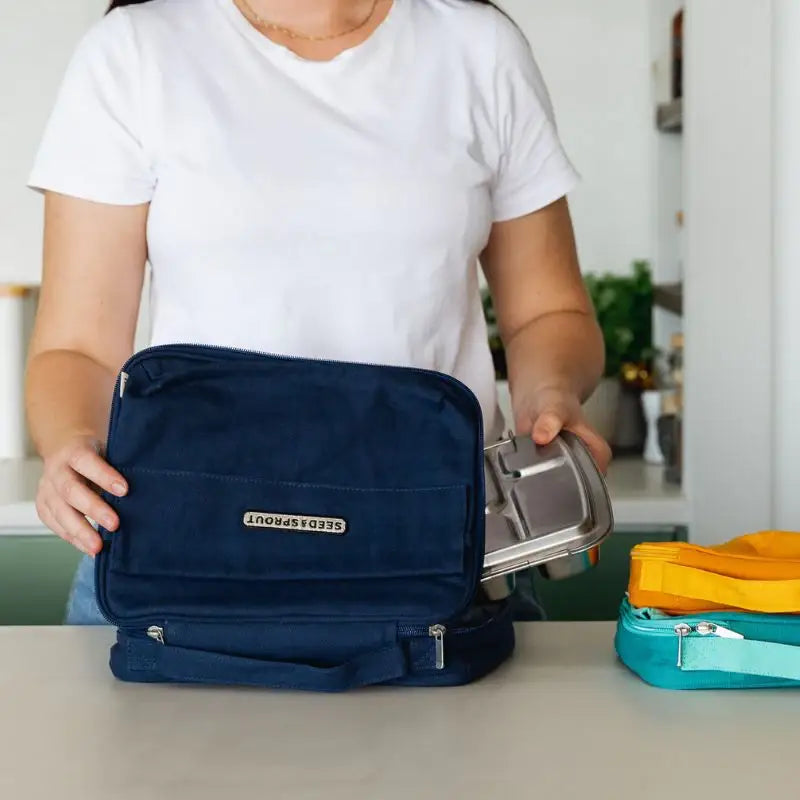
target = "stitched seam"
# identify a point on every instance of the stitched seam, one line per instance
(298, 485)
(291, 577)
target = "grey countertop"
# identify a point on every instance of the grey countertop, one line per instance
(562, 720)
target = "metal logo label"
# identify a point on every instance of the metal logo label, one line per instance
(297, 523)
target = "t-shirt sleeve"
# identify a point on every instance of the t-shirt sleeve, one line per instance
(533, 169)
(92, 146)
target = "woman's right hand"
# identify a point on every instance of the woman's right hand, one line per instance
(68, 493)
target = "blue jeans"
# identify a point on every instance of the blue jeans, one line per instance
(82, 606)
(525, 603)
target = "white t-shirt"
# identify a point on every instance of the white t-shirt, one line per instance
(320, 209)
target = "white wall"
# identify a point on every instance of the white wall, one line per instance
(596, 58)
(36, 39)
(786, 172)
(667, 153)
(728, 171)
(667, 147)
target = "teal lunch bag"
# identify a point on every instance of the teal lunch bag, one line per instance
(716, 650)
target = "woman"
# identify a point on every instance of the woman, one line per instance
(309, 177)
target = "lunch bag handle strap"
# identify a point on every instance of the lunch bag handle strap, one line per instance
(778, 596)
(167, 662)
(742, 657)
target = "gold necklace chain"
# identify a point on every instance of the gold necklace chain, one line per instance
(271, 26)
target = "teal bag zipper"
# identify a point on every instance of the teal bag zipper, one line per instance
(710, 651)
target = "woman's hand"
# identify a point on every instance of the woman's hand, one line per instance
(67, 493)
(544, 413)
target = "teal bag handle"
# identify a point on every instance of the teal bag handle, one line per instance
(741, 656)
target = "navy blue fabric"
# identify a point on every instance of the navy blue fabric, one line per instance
(206, 435)
(176, 664)
(472, 651)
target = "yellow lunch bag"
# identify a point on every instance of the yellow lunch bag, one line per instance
(758, 572)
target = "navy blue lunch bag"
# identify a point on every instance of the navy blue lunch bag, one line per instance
(296, 524)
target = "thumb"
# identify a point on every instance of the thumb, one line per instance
(548, 425)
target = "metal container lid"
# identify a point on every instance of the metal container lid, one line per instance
(542, 503)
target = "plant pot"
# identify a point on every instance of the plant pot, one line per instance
(669, 436)
(630, 429)
(601, 408)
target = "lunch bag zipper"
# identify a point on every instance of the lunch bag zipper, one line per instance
(683, 629)
(123, 375)
(156, 633)
(437, 632)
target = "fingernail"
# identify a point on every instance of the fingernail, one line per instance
(109, 522)
(118, 488)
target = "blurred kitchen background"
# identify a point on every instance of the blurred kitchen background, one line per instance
(684, 120)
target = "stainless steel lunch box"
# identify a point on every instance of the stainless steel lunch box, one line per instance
(546, 507)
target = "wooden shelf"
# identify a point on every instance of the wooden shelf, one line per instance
(669, 297)
(669, 116)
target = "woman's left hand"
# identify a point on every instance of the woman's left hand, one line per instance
(544, 413)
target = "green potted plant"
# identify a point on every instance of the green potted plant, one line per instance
(624, 308)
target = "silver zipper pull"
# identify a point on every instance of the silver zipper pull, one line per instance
(712, 629)
(123, 382)
(681, 630)
(156, 633)
(438, 632)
